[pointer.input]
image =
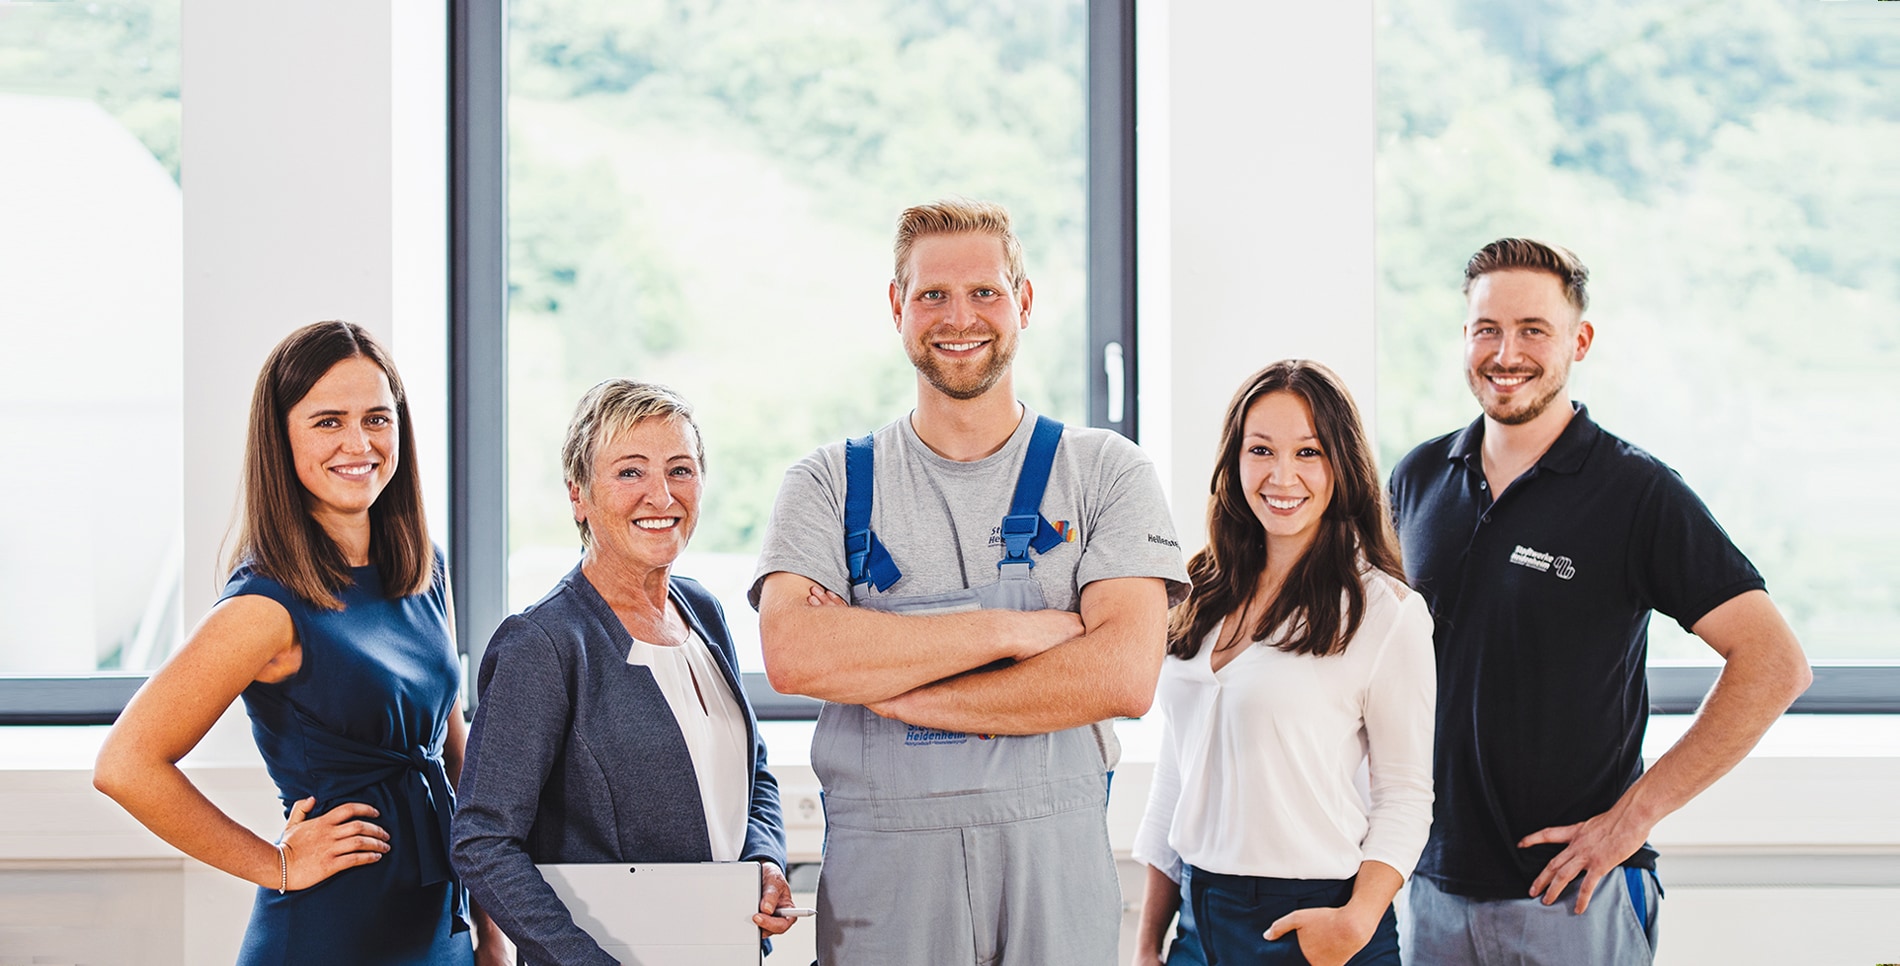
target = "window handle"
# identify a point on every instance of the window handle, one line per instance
(1117, 379)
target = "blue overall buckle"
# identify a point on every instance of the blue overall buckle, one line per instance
(1018, 530)
(857, 553)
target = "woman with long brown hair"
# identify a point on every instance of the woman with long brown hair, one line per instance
(1299, 656)
(334, 629)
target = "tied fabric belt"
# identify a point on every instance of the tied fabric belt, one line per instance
(343, 767)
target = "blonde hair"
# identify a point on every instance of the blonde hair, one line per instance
(957, 216)
(609, 409)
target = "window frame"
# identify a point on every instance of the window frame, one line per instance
(478, 300)
(1838, 688)
(478, 326)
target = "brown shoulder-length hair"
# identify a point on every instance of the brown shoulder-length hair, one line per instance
(277, 534)
(1354, 526)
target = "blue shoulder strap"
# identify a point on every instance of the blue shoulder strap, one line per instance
(863, 553)
(1024, 528)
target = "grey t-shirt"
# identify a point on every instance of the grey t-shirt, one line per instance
(942, 519)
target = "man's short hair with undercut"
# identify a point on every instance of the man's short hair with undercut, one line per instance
(1532, 255)
(954, 217)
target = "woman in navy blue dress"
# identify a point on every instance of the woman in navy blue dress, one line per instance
(334, 628)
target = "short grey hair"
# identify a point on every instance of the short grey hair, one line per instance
(610, 409)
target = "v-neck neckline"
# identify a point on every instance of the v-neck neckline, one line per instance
(1240, 648)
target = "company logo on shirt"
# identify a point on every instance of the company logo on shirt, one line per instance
(1542, 562)
(1069, 533)
(914, 735)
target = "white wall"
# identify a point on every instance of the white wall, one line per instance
(1787, 860)
(1261, 247)
(314, 163)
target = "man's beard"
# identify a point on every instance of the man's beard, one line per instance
(1525, 412)
(941, 378)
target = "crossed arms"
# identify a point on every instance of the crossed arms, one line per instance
(1070, 670)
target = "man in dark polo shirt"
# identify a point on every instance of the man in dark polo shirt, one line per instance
(1541, 543)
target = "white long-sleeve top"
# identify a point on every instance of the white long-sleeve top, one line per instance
(1257, 762)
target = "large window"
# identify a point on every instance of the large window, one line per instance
(1727, 172)
(91, 374)
(703, 195)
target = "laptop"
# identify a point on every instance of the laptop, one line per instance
(665, 914)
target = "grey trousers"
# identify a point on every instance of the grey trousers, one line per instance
(1035, 891)
(1452, 930)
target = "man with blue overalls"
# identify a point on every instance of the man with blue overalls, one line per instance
(1008, 580)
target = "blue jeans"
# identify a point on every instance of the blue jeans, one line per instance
(1232, 912)
(1455, 930)
(1185, 950)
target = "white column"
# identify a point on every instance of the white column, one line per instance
(419, 233)
(1267, 216)
(298, 191)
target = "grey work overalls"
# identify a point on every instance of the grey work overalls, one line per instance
(949, 848)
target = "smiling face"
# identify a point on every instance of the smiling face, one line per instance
(642, 502)
(959, 318)
(343, 441)
(1284, 472)
(1521, 335)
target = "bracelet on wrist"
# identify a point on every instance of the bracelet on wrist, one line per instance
(283, 869)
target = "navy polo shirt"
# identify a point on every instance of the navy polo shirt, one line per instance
(1540, 605)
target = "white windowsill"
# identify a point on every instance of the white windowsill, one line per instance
(1812, 805)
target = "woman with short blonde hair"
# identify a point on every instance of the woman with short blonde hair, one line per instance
(612, 725)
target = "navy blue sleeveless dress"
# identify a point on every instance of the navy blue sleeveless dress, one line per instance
(363, 720)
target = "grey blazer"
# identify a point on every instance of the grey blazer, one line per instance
(575, 756)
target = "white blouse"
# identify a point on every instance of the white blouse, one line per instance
(1257, 761)
(715, 733)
